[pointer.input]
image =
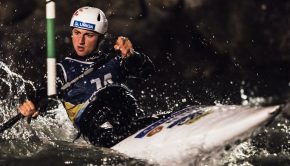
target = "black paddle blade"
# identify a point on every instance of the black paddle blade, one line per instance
(10, 123)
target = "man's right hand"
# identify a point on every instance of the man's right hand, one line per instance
(28, 109)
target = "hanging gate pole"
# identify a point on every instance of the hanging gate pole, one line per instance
(51, 60)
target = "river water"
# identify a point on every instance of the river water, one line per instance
(48, 140)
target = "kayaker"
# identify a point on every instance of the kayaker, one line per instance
(99, 104)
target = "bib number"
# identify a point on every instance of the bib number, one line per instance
(107, 80)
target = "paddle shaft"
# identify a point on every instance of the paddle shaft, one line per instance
(10, 122)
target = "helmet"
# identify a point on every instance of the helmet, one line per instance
(90, 18)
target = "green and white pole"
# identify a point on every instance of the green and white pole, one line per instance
(51, 60)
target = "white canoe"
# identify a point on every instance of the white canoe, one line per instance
(193, 130)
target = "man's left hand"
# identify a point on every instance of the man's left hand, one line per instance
(125, 46)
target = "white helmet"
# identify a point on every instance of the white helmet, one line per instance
(90, 18)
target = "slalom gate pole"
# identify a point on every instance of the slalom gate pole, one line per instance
(51, 60)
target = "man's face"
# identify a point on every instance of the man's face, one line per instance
(84, 41)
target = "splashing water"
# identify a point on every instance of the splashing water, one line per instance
(12, 87)
(44, 129)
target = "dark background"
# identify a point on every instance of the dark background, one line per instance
(206, 51)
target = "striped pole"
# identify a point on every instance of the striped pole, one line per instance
(51, 61)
